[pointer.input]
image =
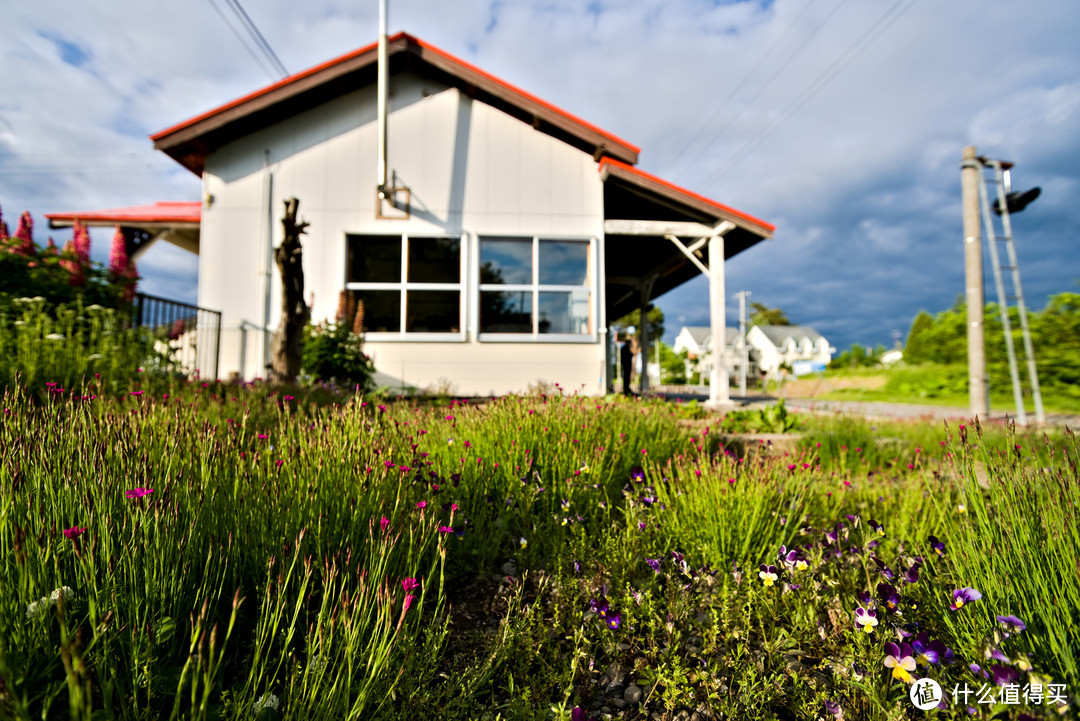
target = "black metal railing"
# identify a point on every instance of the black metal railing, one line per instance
(189, 337)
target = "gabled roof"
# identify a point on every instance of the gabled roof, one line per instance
(189, 142)
(156, 215)
(702, 335)
(778, 333)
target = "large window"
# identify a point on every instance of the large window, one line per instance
(535, 286)
(407, 284)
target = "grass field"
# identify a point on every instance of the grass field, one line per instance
(233, 552)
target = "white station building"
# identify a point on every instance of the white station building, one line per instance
(510, 232)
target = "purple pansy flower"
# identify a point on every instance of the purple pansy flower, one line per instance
(1012, 623)
(767, 574)
(901, 659)
(834, 708)
(890, 599)
(962, 596)
(866, 619)
(1004, 675)
(937, 546)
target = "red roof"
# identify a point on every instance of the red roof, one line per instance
(187, 142)
(650, 182)
(164, 213)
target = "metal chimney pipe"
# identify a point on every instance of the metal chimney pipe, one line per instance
(383, 91)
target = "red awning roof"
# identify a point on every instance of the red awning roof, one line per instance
(161, 214)
(188, 142)
(647, 181)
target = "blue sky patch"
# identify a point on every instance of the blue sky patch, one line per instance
(70, 53)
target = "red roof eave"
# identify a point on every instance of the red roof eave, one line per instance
(757, 225)
(175, 213)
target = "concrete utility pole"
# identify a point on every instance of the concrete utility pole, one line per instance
(744, 352)
(970, 171)
(719, 395)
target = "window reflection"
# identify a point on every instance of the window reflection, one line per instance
(564, 311)
(564, 262)
(506, 261)
(507, 311)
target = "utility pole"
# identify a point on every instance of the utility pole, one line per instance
(970, 170)
(744, 352)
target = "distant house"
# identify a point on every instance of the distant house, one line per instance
(697, 342)
(508, 232)
(777, 345)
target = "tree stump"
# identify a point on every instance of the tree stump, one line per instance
(286, 345)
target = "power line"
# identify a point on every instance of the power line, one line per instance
(257, 36)
(243, 41)
(741, 83)
(860, 44)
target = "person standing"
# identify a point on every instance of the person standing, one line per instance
(626, 357)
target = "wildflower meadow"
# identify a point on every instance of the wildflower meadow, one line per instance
(203, 550)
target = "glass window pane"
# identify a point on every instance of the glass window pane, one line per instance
(374, 259)
(434, 260)
(507, 311)
(381, 308)
(564, 262)
(564, 311)
(506, 261)
(433, 311)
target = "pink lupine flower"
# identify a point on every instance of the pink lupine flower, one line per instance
(25, 235)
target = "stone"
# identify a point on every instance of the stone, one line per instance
(632, 694)
(618, 702)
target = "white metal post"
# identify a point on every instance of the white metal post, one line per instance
(718, 379)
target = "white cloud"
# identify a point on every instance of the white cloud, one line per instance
(860, 176)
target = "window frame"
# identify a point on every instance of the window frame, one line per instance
(535, 287)
(404, 286)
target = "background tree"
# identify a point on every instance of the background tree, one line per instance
(287, 343)
(919, 339)
(656, 322)
(764, 315)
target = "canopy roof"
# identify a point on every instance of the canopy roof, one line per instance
(156, 216)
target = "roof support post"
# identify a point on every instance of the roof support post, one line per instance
(643, 333)
(719, 396)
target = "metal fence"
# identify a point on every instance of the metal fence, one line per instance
(188, 337)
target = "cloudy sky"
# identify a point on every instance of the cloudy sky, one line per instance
(840, 121)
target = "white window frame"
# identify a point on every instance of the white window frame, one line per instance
(404, 285)
(535, 287)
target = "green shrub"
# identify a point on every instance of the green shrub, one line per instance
(333, 352)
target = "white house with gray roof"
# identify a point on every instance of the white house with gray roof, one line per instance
(776, 345)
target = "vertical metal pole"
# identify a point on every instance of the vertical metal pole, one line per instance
(970, 176)
(744, 354)
(382, 89)
(643, 335)
(718, 379)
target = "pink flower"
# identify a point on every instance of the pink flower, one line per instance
(410, 584)
(421, 505)
(445, 529)
(74, 532)
(408, 600)
(384, 523)
(138, 492)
